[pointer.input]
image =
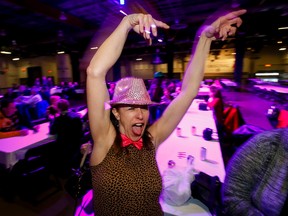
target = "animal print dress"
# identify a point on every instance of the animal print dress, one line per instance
(127, 184)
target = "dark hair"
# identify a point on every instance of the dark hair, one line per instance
(5, 102)
(147, 137)
(216, 91)
(63, 105)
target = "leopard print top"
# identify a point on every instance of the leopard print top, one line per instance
(127, 184)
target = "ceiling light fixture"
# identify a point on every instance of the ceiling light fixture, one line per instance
(267, 74)
(122, 2)
(282, 28)
(5, 52)
(121, 11)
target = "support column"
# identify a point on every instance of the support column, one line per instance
(240, 52)
(64, 68)
(117, 71)
(75, 67)
(170, 60)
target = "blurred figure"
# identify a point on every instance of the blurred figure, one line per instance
(45, 93)
(156, 92)
(76, 85)
(23, 91)
(32, 99)
(37, 82)
(177, 90)
(111, 89)
(52, 110)
(68, 128)
(216, 104)
(44, 81)
(50, 83)
(10, 122)
(10, 94)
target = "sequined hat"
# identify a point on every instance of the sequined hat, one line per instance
(131, 90)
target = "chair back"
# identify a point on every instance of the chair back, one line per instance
(207, 189)
(32, 178)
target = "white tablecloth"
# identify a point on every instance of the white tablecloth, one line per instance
(228, 82)
(278, 89)
(14, 148)
(177, 148)
(204, 91)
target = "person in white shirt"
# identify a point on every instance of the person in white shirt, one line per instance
(33, 99)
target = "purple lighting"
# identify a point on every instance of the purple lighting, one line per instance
(122, 2)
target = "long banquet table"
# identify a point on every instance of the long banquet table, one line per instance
(14, 148)
(178, 148)
(278, 89)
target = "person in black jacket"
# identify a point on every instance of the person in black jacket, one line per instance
(68, 128)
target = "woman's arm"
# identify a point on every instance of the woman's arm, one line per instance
(162, 128)
(103, 133)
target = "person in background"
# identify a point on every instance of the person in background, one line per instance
(45, 93)
(32, 99)
(52, 110)
(125, 176)
(216, 104)
(44, 81)
(68, 128)
(111, 89)
(37, 82)
(10, 122)
(10, 94)
(177, 90)
(23, 90)
(156, 92)
(50, 83)
(76, 85)
(256, 181)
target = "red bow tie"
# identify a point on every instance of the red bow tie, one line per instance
(127, 141)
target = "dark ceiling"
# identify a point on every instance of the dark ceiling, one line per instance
(30, 28)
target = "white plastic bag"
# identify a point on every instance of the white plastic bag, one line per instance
(176, 183)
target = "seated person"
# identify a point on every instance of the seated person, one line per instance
(216, 104)
(68, 128)
(256, 176)
(10, 122)
(32, 99)
(52, 110)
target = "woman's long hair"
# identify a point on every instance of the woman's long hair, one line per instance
(147, 137)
